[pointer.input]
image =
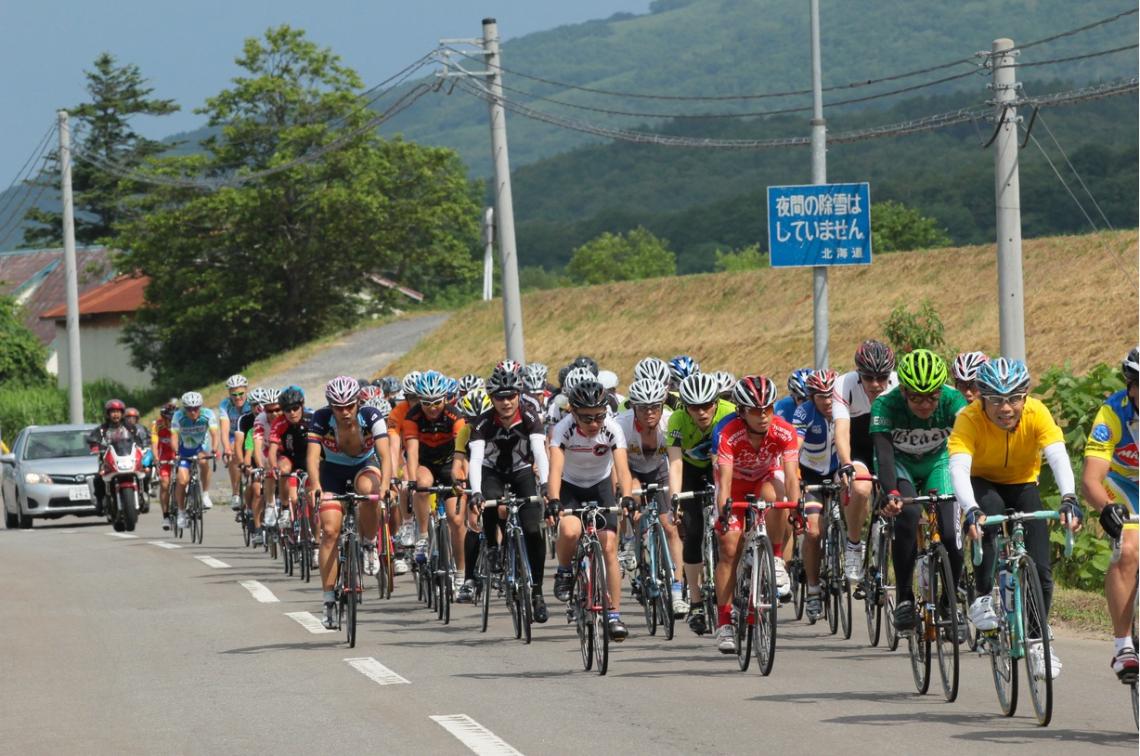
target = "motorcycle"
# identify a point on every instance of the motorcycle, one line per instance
(121, 469)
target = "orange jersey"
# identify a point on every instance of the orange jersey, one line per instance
(396, 418)
(436, 437)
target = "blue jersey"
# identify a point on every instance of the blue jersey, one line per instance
(193, 433)
(322, 431)
(233, 412)
(786, 408)
(817, 432)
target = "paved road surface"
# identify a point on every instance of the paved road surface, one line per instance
(358, 354)
(117, 645)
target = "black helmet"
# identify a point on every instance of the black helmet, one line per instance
(562, 373)
(291, 396)
(503, 381)
(1131, 365)
(583, 361)
(587, 395)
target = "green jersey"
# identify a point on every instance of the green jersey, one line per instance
(696, 445)
(917, 442)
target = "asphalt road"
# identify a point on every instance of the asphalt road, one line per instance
(118, 645)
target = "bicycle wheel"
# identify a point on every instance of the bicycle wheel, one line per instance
(843, 602)
(351, 586)
(1035, 625)
(798, 577)
(742, 606)
(199, 520)
(872, 593)
(601, 607)
(766, 604)
(271, 542)
(945, 616)
(646, 582)
(889, 595)
(830, 583)
(386, 577)
(967, 592)
(708, 581)
(305, 547)
(1003, 666)
(483, 573)
(511, 578)
(580, 603)
(665, 582)
(287, 552)
(526, 587)
(246, 533)
(443, 575)
(918, 641)
(1132, 685)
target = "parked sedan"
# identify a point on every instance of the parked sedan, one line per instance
(47, 473)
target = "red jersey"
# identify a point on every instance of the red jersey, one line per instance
(749, 463)
(160, 435)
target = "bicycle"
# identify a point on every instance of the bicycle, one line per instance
(1131, 680)
(652, 579)
(1023, 628)
(590, 596)
(441, 570)
(385, 569)
(797, 572)
(832, 576)
(935, 603)
(350, 563)
(877, 587)
(709, 554)
(517, 583)
(754, 599)
(194, 499)
(304, 529)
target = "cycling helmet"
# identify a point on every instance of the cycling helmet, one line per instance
(504, 382)
(576, 376)
(587, 394)
(820, 381)
(922, 371)
(452, 388)
(647, 391)
(966, 364)
(682, 366)
(273, 396)
(117, 404)
(511, 366)
(608, 379)
(390, 384)
(190, 400)
(562, 373)
(257, 395)
(797, 383)
(1001, 377)
(369, 391)
(131, 412)
(755, 392)
(342, 390)
(874, 358)
(291, 396)
(653, 369)
(474, 403)
(725, 381)
(1131, 366)
(582, 361)
(296, 388)
(237, 380)
(410, 382)
(380, 404)
(534, 376)
(170, 407)
(469, 381)
(698, 388)
(431, 386)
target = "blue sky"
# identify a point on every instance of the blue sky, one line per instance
(186, 49)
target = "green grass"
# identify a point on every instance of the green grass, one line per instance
(1084, 612)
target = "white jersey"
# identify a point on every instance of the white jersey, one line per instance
(588, 459)
(850, 399)
(639, 460)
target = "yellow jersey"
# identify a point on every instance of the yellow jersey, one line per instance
(1004, 457)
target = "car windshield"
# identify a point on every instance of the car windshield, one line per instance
(53, 444)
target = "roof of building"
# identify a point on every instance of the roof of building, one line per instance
(36, 277)
(121, 295)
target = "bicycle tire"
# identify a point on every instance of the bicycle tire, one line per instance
(918, 641)
(708, 581)
(512, 592)
(601, 605)
(665, 578)
(767, 602)
(831, 583)
(967, 592)
(742, 606)
(945, 633)
(646, 582)
(246, 533)
(798, 577)
(872, 590)
(1035, 619)
(889, 592)
(351, 586)
(583, 619)
(386, 568)
(271, 542)
(483, 571)
(1135, 640)
(526, 584)
(287, 556)
(443, 574)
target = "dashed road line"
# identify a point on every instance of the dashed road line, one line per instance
(122, 535)
(474, 735)
(259, 591)
(308, 621)
(209, 561)
(164, 544)
(376, 671)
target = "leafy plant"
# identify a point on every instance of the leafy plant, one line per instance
(745, 258)
(895, 227)
(907, 330)
(621, 257)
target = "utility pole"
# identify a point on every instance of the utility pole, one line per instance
(74, 363)
(504, 205)
(1007, 196)
(488, 253)
(818, 176)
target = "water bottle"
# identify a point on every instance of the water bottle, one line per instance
(1005, 580)
(923, 577)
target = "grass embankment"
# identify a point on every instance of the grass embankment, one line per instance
(1082, 612)
(1080, 294)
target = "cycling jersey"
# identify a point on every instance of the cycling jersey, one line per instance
(503, 448)
(696, 445)
(323, 431)
(193, 434)
(463, 440)
(588, 459)
(292, 439)
(436, 437)
(228, 409)
(916, 442)
(160, 437)
(786, 407)
(756, 465)
(1113, 438)
(245, 427)
(644, 460)
(396, 417)
(818, 434)
(1001, 456)
(850, 402)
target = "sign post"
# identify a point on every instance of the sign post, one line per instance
(819, 225)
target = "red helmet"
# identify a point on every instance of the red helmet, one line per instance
(114, 404)
(754, 391)
(821, 381)
(131, 412)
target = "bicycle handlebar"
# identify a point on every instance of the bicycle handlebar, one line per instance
(536, 499)
(1044, 514)
(453, 490)
(929, 499)
(325, 496)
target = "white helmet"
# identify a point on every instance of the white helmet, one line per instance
(653, 369)
(966, 364)
(576, 376)
(257, 395)
(608, 379)
(342, 390)
(725, 381)
(271, 395)
(409, 383)
(381, 404)
(191, 399)
(237, 380)
(647, 391)
(699, 388)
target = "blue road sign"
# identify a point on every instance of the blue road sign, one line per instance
(819, 224)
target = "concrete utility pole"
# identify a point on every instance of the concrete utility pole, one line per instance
(488, 254)
(504, 205)
(818, 176)
(74, 360)
(1007, 196)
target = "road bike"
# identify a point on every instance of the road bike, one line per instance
(441, 572)
(590, 596)
(832, 576)
(194, 499)
(877, 586)
(350, 563)
(706, 498)
(652, 578)
(516, 583)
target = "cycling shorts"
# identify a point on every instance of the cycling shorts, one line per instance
(931, 475)
(813, 500)
(440, 473)
(602, 492)
(659, 476)
(335, 479)
(187, 455)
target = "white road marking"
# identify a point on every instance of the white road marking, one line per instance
(376, 671)
(474, 735)
(209, 561)
(259, 591)
(122, 535)
(308, 621)
(164, 544)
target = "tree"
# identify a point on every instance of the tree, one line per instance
(896, 227)
(117, 93)
(616, 257)
(249, 270)
(22, 356)
(745, 258)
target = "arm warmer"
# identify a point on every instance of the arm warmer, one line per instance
(1062, 468)
(475, 451)
(541, 461)
(960, 478)
(885, 461)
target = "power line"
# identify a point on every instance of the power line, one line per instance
(24, 200)
(1071, 58)
(1072, 168)
(24, 173)
(1071, 32)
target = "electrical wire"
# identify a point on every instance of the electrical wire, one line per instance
(1072, 168)
(1078, 30)
(24, 173)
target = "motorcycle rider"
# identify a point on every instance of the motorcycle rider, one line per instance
(112, 429)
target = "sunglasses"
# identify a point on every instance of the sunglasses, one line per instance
(273, 410)
(649, 407)
(1012, 400)
(436, 403)
(590, 419)
(294, 407)
(966, 385)
(237, 394)
(701, 407)
(925, 399)
(505, 395)
(876, 377)
(343, 406)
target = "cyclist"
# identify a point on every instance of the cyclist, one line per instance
(429, 432)
(243, 444)
(349, 437)
(680, 368)
(190, 430)
(995, 453)
(818, 462)
(469, 382)
(855, 391)
(264, 512)
(391, 386)
(507, 448)
(1109, 485)
(406, 535)
(163, 451)
(786, 406)
(587, 448)
(690, 434)
(643, 426)
(230, 409)
(965, 372)
(534, 379)
(909, 426)
(470, 407)
(657, 369)
(757, 453)
(288, 446)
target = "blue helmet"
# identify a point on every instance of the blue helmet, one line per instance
(1001, 377)
(432, 385)
(797, 383)
(682, 366)
(452, 388)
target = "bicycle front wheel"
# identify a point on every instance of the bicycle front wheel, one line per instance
(483, 572)
(351, 588)
(742, 607)
(580, 603)
(888, 588)
(526, 607)
(601, 609)
(766, 604)
(664, 572)
(945, 616)
(1035, 639)
(798, 577)
(872, 595)
(918, 642)
(834, 572)
(514, 605)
